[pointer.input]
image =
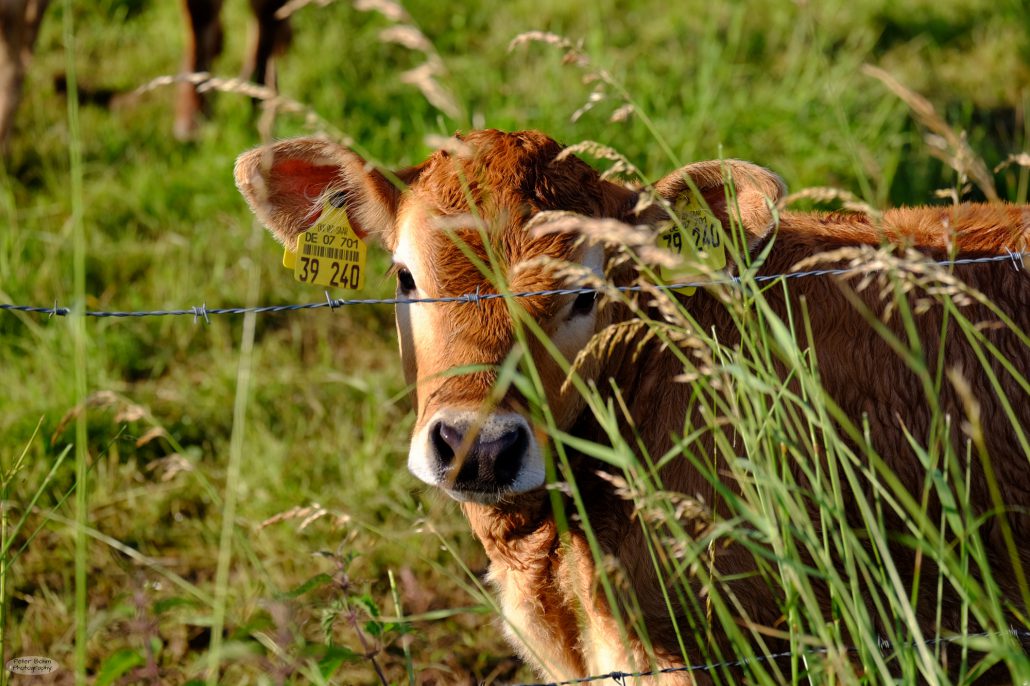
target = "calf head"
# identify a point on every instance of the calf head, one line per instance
(444, 221)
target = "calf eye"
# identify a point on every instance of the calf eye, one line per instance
(583, 304)
(405, 281)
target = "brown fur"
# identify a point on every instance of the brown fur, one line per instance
(549, 585)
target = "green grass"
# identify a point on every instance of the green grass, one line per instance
(174, 436)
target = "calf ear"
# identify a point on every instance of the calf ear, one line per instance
(287, 182)
(754, 190)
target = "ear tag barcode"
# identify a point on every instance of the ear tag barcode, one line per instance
(699, 240)
(330, 253)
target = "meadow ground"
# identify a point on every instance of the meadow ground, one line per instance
(260, 490)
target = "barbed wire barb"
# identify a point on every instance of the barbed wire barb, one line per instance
(201, 312)
(475, 297)
(1017, 259)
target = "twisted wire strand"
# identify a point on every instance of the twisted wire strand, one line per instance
(205, 312)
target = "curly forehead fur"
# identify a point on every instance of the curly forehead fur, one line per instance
(500, 181)
(493, 171)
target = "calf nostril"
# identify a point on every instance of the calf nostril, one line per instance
(500, 445)
(446, 440)
(508, 451)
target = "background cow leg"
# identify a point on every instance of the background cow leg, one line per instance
(269, 39)
(19, 25)
(203, 45)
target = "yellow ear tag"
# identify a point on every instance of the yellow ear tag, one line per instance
(697, 240)
(330, 253)
(289, 259)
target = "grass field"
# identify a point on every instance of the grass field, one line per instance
(245, 500)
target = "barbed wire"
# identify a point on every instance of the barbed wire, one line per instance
(883, 644)
(205, 312)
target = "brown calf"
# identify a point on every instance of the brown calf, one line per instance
(487, 452)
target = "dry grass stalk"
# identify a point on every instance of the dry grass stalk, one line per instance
(823, 194)
(1022, 160)
(669, 309)
(605, 340)
(572, 274)
(269, 98)
(622, 114)
(952, 194)
(972, 426)
(307, 516)
(648, 197)
(406, 36)
(574, 55)
(918, 276)
(126, 411)
(667, 507)
(151, 434)
(287, 10)
(600, 151)
(393, 11)
(595, 230)
(131, 412)
(944, 143)
(170, 466)
(205, 82)
(658, 507)
(424, 77)
(573, 50)
(454, 222)
(405, 33)
(598, 95)
(450, 145)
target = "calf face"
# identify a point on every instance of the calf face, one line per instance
(460, 222)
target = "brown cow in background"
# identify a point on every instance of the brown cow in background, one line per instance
(19, 26)
(484, 449)
(270, 35)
